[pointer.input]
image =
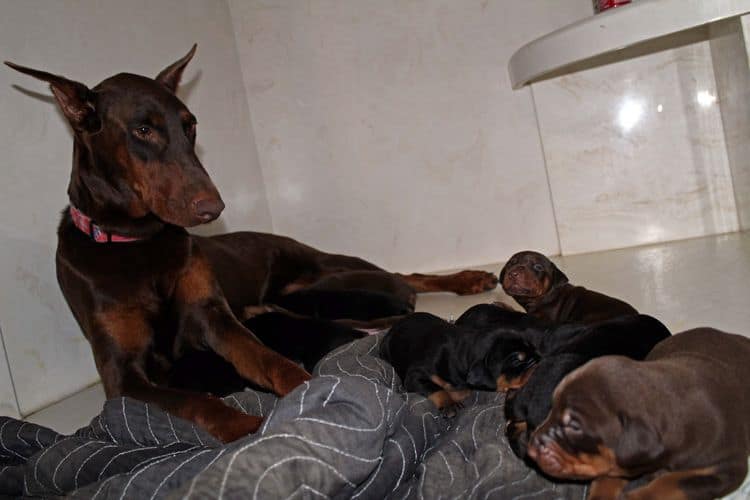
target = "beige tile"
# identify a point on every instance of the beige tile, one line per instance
(49, 356)
(636, 153)
(8, 405)
(73, 412)
(729, 52)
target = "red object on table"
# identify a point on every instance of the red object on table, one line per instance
(601, 5)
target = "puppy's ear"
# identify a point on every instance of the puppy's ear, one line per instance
(501, 276)
(479, 375)
(74, 99)
(638, 444)
(171, 75)
(558, 277)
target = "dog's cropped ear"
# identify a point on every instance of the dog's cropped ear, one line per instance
(558, 277)
(75, 99)
(171, 75)
(638, 444)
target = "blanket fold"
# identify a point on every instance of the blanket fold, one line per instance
(350, 432)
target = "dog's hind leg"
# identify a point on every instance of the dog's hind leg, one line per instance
(461, 283)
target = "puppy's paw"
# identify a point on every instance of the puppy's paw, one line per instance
(451, 410)
(606, 488)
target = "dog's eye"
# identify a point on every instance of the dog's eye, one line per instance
(521, 356)
(142, 132)
(538, 267)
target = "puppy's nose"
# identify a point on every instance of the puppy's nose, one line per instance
(208, 209)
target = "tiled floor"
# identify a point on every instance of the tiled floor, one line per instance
(73, 412)
(689, 283)
(685, 284)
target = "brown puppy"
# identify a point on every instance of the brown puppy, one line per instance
(544, 291)
(682, 417)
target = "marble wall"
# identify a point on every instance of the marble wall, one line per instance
(49, 358)
(389, 129)
(8, 405)
(729, 53)
(636, 152)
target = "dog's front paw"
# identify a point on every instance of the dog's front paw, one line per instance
(471, 282)
(237, 427)
(288, 378)
(223, 422)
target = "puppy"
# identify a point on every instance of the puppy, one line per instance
(498, 315)
(561, 351)
(443, 361)
(680, 418)
(544, 292)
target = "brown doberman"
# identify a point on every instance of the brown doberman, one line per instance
(143, 290)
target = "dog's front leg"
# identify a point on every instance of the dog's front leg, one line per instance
(120, 339)
(205, 318)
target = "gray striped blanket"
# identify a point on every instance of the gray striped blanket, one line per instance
(351, 432)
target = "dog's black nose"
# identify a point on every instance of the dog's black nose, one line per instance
(208, 209)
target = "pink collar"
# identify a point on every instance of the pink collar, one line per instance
(85, 224)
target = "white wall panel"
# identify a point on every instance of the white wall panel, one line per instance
(389, 130)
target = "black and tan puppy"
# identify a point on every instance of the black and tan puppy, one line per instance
(443, 361)
(544, 292)
(561, 351)
(680, 418)
(498, 315)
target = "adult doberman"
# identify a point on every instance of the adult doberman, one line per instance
(143, 290)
